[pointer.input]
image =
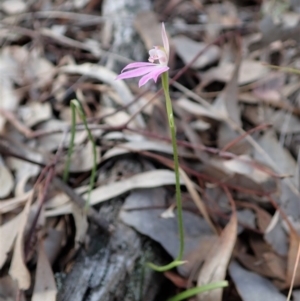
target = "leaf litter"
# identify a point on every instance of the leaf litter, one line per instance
(238, 136)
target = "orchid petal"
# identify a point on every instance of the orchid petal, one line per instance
(137, 65)
(154, 74)
(136, 72)
(165, 39)
(150, 70)
(144, 80)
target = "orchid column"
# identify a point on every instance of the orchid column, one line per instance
(158, 65)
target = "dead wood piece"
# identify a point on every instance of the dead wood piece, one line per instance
(114, 267)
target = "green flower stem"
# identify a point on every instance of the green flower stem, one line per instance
(178, 261)
(197, 290)
(75, 105)
(71, 144)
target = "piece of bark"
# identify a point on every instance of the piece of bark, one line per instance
(114, 267)
(119, 31)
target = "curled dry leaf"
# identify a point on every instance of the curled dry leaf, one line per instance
(292, 257)
(6, 181)
(44, 287)
(8, 233)
(13, 203)
(139, 146)
(149, 179)
(81, 224)
(18, 269)
(276, 264)
(215, 265)
(267, 263)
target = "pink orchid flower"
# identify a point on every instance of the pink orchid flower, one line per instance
(150, 70)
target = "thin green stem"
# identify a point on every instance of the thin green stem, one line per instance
(178, 261)
(165, 83)
(75, 105)
(71, 145)
(167, 267)
(197, 290)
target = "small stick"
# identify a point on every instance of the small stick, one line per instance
(294, 274)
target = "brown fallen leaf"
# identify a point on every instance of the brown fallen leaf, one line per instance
(176, 279)
(44, 287)
(6, 180)
(8, 233)
(253, 264)
(215, 265)
(13, 203)
(81, 224)
(263, 218)
(292, 256)
(18, 269)
(149, 179)
(276, 264)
